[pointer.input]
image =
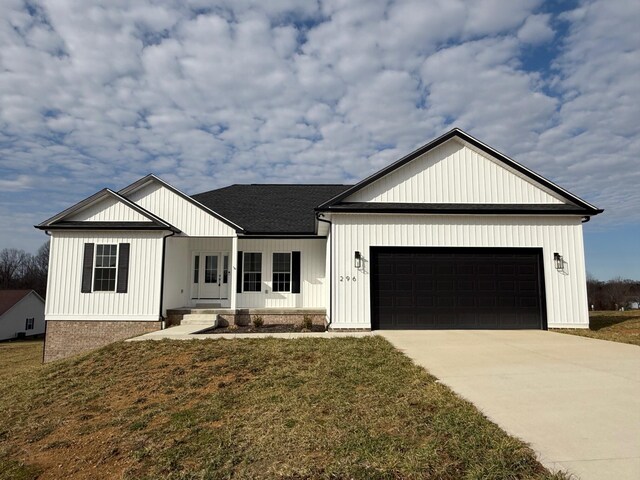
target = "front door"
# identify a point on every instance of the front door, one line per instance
(210, 275)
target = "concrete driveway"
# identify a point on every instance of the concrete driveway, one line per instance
(575, 400)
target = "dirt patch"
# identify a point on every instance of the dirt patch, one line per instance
(275, 328)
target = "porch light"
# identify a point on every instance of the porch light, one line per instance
(358, 259)
(558, 261)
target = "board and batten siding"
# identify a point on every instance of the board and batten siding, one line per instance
(141, 302)
(182, 214)
(454, 173)
(312, 274)
(566, 294)
(108, 209)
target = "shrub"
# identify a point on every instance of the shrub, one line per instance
(307, 322)
(233, 327)
(258, 321)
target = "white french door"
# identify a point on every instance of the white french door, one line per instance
(210, 275)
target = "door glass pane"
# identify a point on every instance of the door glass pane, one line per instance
(211, 269)
(225, 268)
(196, 269)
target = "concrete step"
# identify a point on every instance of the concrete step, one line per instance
(210, 320)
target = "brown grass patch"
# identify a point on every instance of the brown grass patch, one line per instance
(623, 327)
(263, 408)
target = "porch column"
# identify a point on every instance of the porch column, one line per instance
(234, 272)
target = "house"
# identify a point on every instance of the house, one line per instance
(453, 235)
(21, 314)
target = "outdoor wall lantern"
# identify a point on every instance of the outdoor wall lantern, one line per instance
(558, 260)
(358, 259)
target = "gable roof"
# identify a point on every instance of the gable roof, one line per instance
(9, 298)
(270, 208)
(583, 206)
(152, 178)
(58, 221)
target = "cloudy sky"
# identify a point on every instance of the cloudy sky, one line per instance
(208, 93)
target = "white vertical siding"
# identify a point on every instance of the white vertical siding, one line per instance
(454, 173)
(312, 274)
(108, 209)
(176, 273)
(565, 292)
(182, 214)
(142, 300)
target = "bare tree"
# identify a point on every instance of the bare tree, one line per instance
(12, 261)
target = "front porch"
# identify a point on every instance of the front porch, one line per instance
(236, 278)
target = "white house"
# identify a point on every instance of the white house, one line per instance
(453, 235)
(21, 314)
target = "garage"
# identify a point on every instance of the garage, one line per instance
(457, 288)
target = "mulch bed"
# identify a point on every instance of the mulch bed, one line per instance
(276, 328)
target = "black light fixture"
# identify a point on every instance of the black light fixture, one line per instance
(558, 260)
(358, 259)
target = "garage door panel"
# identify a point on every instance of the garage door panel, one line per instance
(456, 288)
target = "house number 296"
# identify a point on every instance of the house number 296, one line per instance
(347, 278)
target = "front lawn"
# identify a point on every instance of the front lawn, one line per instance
(19, 357)
(255, 408)
(621, 327)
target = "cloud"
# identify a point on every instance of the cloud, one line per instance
(207, 93)
(536, 29)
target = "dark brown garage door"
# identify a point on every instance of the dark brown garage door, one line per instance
(487, 288)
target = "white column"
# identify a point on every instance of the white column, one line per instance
(234, 271)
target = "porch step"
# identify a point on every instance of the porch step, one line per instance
(209, 320)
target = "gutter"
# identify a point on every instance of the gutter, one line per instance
(164, 258)
(318, 215)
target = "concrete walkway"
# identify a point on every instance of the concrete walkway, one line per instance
(575, 400)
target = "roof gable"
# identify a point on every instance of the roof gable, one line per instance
(105, 209)
(10, 298)
(454, 172)
(178, 208)
(457, 168)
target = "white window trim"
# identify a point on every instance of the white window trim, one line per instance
(290, 272)
(93, 270)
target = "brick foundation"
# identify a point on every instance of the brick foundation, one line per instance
(270, 318)
(64, 338)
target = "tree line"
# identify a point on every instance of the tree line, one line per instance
(22, 270)
(612, 294)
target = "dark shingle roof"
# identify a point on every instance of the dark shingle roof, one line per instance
(269, 208)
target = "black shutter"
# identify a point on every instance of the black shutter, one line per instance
(239, 277)
(123, 268)
(87, 268)
(295, 272)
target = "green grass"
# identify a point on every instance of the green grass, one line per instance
(258, 408)
(623, 327)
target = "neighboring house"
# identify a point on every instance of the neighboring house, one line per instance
(21, 314)
(454, 235)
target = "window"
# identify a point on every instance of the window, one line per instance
(104, 277)
(252, 276)
(29, 324)
(281, 272)
(196, 269)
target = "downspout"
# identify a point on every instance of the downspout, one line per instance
(318, 215)
(164, 257)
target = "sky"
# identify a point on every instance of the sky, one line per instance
(209, 93)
